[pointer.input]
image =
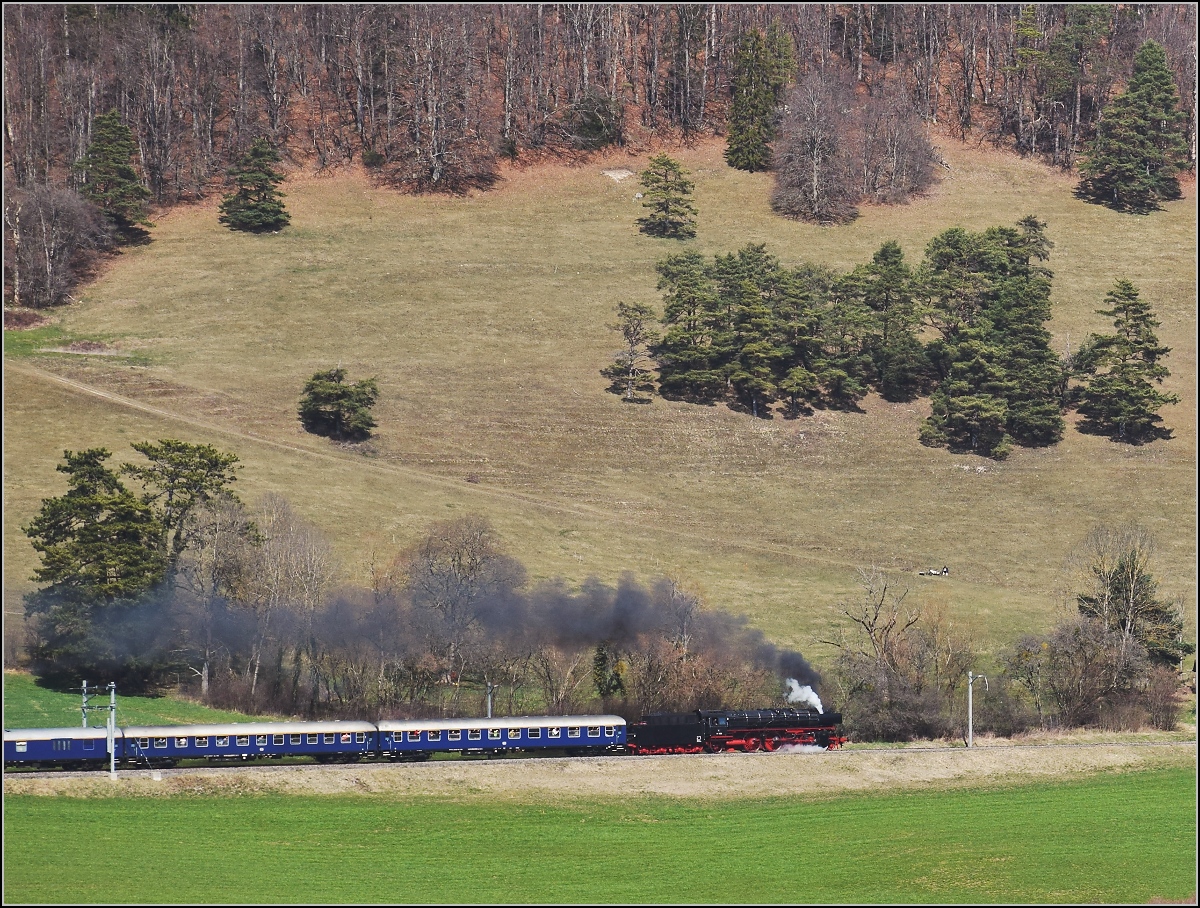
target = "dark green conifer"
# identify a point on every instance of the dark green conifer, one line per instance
(1121, 369)
(761, 68)
(688, 360)
(989, 296)
(101, 550)
(339, 410)
(110, 180)
(255, 205)
(1131, 164)
(668, 196)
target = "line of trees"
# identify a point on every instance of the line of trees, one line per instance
(125, 105)
(184, 586)
(967, 327)
(432, 93)
(900, 670)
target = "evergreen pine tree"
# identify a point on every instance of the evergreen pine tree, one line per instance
(989, 296)
(1119, 398)
(110, 180)
(668, 196)
(630, 371)
(761, 68)
(753, 369)
(255, 204)
(336, 409)
(101, 551)
(1139, 146)
(689, 365)
(885, 286)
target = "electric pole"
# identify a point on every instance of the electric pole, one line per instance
(971, 679)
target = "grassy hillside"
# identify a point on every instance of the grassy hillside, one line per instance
(484, 320)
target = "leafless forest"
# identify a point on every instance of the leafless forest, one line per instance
(431, 96)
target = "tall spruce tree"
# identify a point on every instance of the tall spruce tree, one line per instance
(901, 368)
(1139, 147)
(761, 68)
(688, 358)
(254, 205)
(1118, 397)
(668, 196)
(110, 181)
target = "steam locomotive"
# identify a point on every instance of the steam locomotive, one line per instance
(701, 731)
(717, 730)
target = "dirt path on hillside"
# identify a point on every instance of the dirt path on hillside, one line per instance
(702, 777)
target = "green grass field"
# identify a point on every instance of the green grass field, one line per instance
(27, 705)
(1105, 839)
(484, 319)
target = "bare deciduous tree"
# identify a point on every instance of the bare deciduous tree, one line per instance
(51, 233)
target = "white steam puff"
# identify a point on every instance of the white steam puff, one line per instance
(800, 749)
(798, 693)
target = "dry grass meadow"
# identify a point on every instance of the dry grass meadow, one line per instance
(705, 777)
(484, 320)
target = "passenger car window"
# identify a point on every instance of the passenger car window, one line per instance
(181, 742)
(222, 740)
(243, 740)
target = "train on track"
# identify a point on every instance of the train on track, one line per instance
(163, 746)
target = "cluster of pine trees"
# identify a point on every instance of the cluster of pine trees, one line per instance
(967, 327)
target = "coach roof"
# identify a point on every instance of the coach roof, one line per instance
(246, 728)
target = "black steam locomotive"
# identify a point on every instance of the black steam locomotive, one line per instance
(718, 730)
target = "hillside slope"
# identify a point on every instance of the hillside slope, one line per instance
(484, 320)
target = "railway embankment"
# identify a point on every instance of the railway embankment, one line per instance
(704, 777)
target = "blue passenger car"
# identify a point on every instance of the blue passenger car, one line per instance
(417, 738)
(66, 747)
(158, 745)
